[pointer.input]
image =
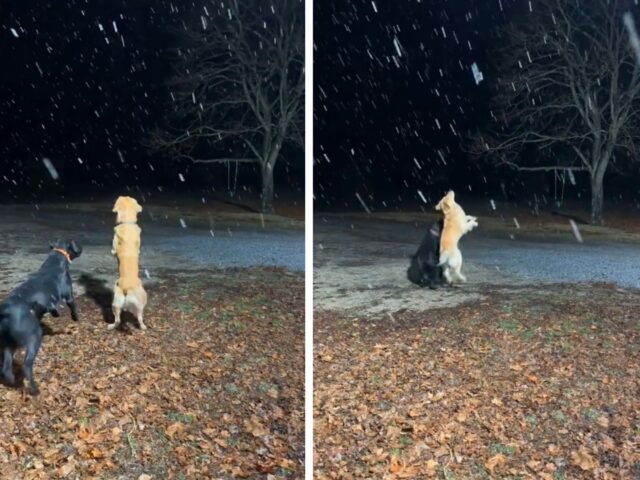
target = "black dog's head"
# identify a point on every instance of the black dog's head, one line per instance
(436, 229)
(73, 249)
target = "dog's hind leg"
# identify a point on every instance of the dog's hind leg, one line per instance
(33, 346)
(458, 274)
(141, 301)
(117, 304)
(447, 274)
(72, 307)
(7, 366)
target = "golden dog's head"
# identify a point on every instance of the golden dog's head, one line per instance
(126, 209)
(447, 202)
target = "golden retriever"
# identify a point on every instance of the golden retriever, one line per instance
(456, 224)
(128, 293)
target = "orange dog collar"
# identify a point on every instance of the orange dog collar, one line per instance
(63, 253)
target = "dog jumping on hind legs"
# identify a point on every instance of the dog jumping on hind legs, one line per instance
(456, 224)
(128, 293)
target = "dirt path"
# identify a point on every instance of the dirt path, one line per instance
(172, 241)
(360, 261)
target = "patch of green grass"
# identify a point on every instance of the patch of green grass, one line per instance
(559, 475)
(204, 315)
(397, 452)
(504, 449)
(264, 387)
(590, 414)
(405, 440)
(232, 442)
(180, 417)
(527, 333)
(237, 326)
(558, 417)
(184, 307)
(508, 326)
(231, 388)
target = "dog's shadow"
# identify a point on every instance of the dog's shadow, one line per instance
(97, 290)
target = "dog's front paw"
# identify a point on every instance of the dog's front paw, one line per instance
(112, 326)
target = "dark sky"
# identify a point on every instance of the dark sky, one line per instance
(83, 82)
(395, 95)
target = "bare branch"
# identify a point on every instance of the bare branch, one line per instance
(239, 84)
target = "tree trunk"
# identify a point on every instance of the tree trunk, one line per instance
(266, 204)
(597, 199)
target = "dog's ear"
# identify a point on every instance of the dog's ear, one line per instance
(55, 244)
(136, 205)
(119, 205)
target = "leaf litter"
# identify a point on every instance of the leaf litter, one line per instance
(214, 388)
(524, 384)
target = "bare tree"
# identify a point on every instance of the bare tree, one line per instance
(568, 99)
(240, 86)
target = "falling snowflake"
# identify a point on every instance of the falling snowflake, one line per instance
(52, 170)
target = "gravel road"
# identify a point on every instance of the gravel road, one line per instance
(168, 244)
(360, 264)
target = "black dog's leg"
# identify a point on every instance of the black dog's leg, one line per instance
(27, 367)
(72, 306)
(7, 366)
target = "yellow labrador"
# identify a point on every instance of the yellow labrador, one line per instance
(456, 224)
(128, 293)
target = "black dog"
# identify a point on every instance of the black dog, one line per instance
(24, 307)
(424, 269)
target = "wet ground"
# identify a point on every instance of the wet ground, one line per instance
(171, 241)
(360, 262)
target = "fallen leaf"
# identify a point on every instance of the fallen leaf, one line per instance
(583, 459)
(494, 462)
(174, 428)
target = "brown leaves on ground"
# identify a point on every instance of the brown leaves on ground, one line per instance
(526, 384)
(214, 388)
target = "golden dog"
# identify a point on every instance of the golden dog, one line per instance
(128, 293)
(456, 224)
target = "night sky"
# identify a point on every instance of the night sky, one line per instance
(395, 96)
(83, 84)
